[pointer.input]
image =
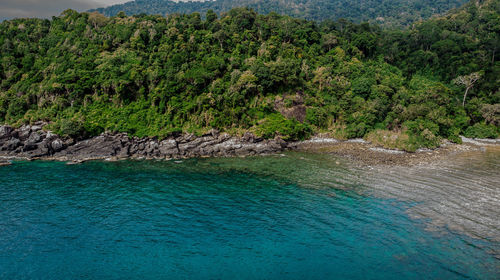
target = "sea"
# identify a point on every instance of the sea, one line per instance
(286, 216)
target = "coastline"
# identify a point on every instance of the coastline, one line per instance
(33, 143)
(364, 153)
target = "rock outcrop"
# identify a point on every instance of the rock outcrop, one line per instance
(33, 142)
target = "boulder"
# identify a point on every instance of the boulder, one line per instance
(57, 145)
(12, 144)
(32, 142)
(151, 146)
(168, 148)
(141, 146)
(40, 150)
(5, 131)
(24, 132)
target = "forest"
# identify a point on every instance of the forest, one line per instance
(273, 75)
(388, 13)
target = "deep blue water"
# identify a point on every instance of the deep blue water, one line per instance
(216, 219)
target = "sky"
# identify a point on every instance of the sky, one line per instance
(46, 8)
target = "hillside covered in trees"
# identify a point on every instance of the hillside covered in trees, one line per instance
(383, 12)
(273, 75)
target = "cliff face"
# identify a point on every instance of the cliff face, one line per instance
(33, 142)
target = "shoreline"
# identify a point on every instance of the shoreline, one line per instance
(32, 143)
(364, 153)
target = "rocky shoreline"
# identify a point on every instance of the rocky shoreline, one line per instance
(363, 153)
(32, 142)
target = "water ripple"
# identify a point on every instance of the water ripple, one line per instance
(296, 216)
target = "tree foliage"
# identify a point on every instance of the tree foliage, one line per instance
(391, 13)
(274, 75)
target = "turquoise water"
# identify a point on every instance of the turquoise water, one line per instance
(256, 218)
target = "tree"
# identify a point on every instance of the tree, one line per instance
(468, 82)
(211, 16)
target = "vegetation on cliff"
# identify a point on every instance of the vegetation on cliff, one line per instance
(274, 75)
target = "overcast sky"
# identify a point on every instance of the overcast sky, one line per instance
(47, 8)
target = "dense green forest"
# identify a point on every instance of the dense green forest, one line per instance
(273, 75)
(383, 12)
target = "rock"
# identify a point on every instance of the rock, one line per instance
(50, 134)
(213, 132)
(151, 146)
(33, 142)
(280, 142)
(141, 146)
(168, 148)
(74, 162)
(103, 146)
(133, 149)
(40, 150)
(36, 128)
(124, 152)
(12, 144)
(186, 138)
(24, 132)
(224, 137)
(192, 148)
(57, 145)
(262, 149)
(34, 137)
(249, 137)
(69, 142)
(5, 163)
(5, 131)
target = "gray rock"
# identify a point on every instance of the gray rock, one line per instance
(33, 142)
(103, 146)
(151, 146)
(24, 132)
(280, 142)
(124, 152)
(39, 151)
(12, 144)
(57, 145)
(141, 146)
(5, 131)
(168, 148)
(248, 137)
(50, 134)
(35, 137)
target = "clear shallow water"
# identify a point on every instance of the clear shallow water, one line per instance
(280, 217)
